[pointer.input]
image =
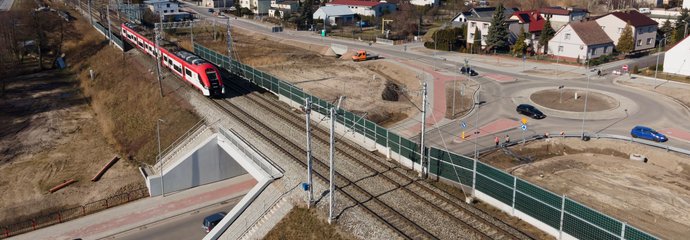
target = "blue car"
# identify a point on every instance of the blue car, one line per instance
(647, 133)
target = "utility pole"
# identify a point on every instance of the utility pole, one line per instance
(658, 53)
(307, 111)
(584, 114)
(331, 189)
(107, 15)
(229, 44)
(90, 15)
(424, 173)
(157, 54)
(191, 30)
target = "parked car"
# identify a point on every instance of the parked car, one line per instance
(211, 10)
(212, 220)
(469, 71)
(647, 133)
(530, 111)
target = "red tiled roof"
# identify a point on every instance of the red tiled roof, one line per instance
(635, 18)
(355, 3)
(590, 32)
(535, 20)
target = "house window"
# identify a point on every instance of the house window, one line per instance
(165, 11)
(560, 48)
(485, 25)
(567, 36)
(639, 42)
(472, 25)
(594, 50)
(167, 5)
(472, 35)
(649, 41)
(606, 49)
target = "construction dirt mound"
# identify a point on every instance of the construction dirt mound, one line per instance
(348, 55)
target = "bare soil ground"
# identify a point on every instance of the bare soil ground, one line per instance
(302, 223)
(49, 134)
(311, 68)
(653, 196)
(552, 99)
(59, 125)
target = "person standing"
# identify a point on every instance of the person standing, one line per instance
(496, 140)
(507, 140)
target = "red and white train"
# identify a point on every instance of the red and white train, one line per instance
(198, 72)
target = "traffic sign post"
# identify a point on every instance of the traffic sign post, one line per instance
(463, 124)
(523, 126)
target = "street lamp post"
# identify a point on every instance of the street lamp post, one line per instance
(160, 160)
(658, 53)
(476, 154)
(584, 114)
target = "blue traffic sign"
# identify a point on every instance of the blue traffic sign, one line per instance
(463, 124)
(523, 127)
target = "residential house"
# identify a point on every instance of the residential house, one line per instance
(461, 17)
(580, 40)
(561, 16)
(258, 7)
(282, 8)
(425, 2)
(162, 6)
(677, 59)
(336, 15)
(480, 18)
(644, 28)
(218, 3)
(686, 4)
(365, 8)
(532, 22)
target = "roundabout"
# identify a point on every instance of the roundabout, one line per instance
(569, 103)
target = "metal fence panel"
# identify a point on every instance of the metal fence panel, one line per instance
(539, 193)
(635, 234)
(539, 210)
(583, 230)
(495, 174)
(494, 189)
(590, 215)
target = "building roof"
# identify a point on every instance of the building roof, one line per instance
(635, 18)
(484, 14)
(687, 38)
(533, 18)
(334, 11)
(590, 32)
(363, 3)
(560, 10)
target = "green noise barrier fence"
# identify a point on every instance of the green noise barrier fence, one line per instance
(559, 212)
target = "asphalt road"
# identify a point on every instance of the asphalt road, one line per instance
(187, 225)
(654, 110)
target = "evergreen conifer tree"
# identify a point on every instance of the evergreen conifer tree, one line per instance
(497, 38)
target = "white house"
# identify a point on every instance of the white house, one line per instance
(677, 59)
(461, 17)
(580, 40)
(425, 2)
(365, 8)
(336, 14)
(258, 7)
(644, 28)
(162, 6)
(686, 4)
(480, 18)
(561, 16)
(283, 8)
(217, 3)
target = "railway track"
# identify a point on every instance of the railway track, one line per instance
(389, 216)
(478, 223)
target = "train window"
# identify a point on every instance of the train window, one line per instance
(177, 68)
(189, 73)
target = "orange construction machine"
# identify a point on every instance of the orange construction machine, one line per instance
(362, 55)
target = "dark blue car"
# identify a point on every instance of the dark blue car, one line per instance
(647, 133)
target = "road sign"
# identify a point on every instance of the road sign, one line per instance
(524, 120)
(625, 67)
(463, 124)
(523, 127)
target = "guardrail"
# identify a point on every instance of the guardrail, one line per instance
(550, 212)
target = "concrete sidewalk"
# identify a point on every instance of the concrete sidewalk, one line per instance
(145, 211)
